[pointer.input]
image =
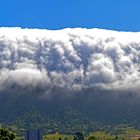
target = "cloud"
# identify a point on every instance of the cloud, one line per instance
(70, 58)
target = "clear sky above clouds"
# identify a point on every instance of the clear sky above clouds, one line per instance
(56, 14)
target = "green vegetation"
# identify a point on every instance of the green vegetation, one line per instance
(120, 133)
(99, 135)
(6, 134)
(57, 136)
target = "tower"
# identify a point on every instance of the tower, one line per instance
(33, 135)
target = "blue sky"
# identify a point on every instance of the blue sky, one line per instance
(56, 14)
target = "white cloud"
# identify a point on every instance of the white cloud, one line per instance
(72, 58)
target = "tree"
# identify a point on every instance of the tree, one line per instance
(116, 137)
(78, 136)
(5, 134)
(91, 138)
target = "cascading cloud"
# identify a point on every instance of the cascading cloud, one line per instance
(69, 58)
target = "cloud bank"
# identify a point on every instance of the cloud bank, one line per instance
(72, 59)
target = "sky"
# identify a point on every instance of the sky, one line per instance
(122, 15)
